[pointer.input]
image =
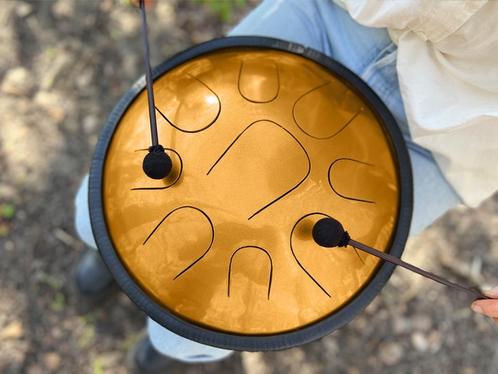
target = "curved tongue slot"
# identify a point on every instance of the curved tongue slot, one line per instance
(261, 165)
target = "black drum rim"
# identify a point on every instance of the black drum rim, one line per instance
(234, 341)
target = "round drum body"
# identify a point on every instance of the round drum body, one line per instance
(266, 138)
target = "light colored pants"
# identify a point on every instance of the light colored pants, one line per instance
(369, 52)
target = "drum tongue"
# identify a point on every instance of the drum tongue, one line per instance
(328, 232)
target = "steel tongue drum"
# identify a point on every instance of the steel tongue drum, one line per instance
(209, 208)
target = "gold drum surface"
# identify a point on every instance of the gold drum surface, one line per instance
(264, 143)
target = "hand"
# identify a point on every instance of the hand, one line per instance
(488, 307)
(148, 3)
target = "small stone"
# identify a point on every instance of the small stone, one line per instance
(23, 9)
(90, 124)
(353, 370)
(254, 363)
(9, 245)
(84, 79)
(435, 341)
(420, 342)
(372, 307)
(63, 8)
(13, 330)
(35, 369)
(421, 323)
(52, 103)
(46, 99)
(52, 361)
(8, 192)
(201, 36)
(331, 346)
(361, 323)
(125, 22)
(109, 359)
(17, 82)
(56, 333)
(166, 12)
(401, 325)
(391, 353)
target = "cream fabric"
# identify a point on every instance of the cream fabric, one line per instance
(447, 67)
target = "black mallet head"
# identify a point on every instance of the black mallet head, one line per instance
(157, 164)
(328, 232)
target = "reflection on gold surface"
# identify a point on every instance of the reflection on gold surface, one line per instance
(266, 143)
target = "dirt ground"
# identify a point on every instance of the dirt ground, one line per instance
(63, 66)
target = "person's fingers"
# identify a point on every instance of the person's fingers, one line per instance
(148, 3)
(486, 307)
(492, 293)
